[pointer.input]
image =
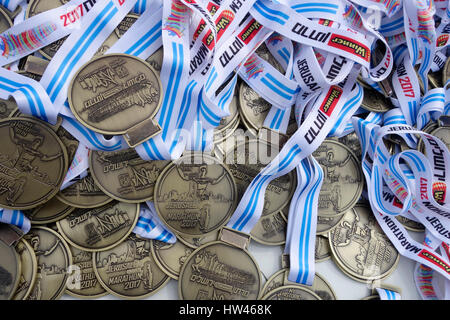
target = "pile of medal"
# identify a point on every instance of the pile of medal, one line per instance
(83, 238)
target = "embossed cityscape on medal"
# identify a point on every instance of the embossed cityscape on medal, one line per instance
(124, 175)
(195, 198)
(115, 93)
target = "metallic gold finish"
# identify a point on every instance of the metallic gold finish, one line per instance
(170, 257)
(195, 195)
(343, 178)
(29, 267)
(125, 176)
(128, 270)
(319, 286)
(33, 163)
(360, 246)
(54, 258)
(86, 285)
(117, 94)
(219, 271)
(99, 229)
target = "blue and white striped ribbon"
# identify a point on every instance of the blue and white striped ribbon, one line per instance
(302, 222)
(386, 294)
(374, 155)
(16, 218)
(149, 225)
(431, 107)
(11, 4)
(297, 148)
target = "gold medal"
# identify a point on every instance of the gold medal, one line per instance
(117, 94)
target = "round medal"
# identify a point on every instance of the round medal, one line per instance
(320, 286)
(99, 228)
(128, 270)
(7, 107)
(219, 271)
(29, 267)
(10, 271)
(51, 211)
(270, 230)
(411, 224)
(343, 178)
(291, 293)
(54, 258)
(326, 224)
(195, 195)
(322, 249)
(33, 163)
(125, 176)
(446, 71)
(247, 159)
(117, 94)
(195, 242)
(5, 21)
(375, 101)
(361, 248)
(170, 257)
(85, 284)
(156, 60)
(84, 194)
(126, 24)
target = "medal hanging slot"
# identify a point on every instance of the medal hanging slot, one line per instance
(10, 234)
(142, 132)
(235, 238)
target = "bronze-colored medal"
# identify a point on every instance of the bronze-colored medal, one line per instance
(117, 94)
(51, 211)
(126, 24)
(156, 60)
(291, 293)
(375, 101)
(253, 108)
(29, 267)
(352, 141)
(99, 228)
(33, 163)
(125, 176)
(69, 141)
(245, 162)
(128, 270)
(84, 194)
(446, 71)
(270, 230)
(85, 283)
(360, 247)
(343, 178)
(219, 271)
(54, 258)
(319, 286)
(10, 270)
(195, 242)
(411, 224)
(170, 257)
(7, 107)
(17, 114)
(326, 224)
(322, 249)
(5, 21)
(195, 195)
